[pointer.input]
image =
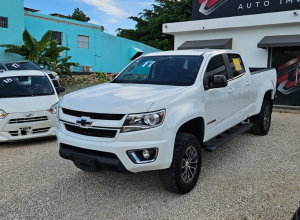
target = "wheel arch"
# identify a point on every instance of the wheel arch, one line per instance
(194, 126)
(269, 96)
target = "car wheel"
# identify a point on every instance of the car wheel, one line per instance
(184, 172)
(262, 121)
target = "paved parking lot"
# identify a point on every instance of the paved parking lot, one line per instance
(250, 178)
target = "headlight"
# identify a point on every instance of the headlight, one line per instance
(138, 122)
(3, 114)
(54, 109)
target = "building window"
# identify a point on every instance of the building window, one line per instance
(56, 35)
(83, 41)
(3, 22)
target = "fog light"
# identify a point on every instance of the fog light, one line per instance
(143, 155)
(146, 154)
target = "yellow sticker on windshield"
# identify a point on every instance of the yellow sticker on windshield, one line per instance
(237, 64)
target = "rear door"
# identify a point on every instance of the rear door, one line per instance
(241, 82)
(220, 101)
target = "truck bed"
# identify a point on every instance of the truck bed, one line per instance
(256, 70)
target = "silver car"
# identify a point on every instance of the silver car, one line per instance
(27, 65)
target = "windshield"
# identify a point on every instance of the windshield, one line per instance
(22, 66)
(25, 86)
(162, 70)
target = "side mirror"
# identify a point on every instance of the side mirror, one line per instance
(217, 81)
(60, 89)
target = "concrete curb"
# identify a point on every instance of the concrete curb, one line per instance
(286, 109)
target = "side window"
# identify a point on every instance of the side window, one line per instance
(216, 66)
(236, 64)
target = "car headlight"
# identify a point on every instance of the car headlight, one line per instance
(3, 114)
(54, 109)
(137, 122)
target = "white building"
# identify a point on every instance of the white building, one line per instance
(268, 35)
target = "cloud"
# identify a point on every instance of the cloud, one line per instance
(107, 6)
(113, 21)
(139, 3)
(94, 22)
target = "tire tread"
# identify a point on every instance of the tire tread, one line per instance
(168, 176)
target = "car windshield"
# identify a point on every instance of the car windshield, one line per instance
(162, 70)
(21, 66)
(25, 86)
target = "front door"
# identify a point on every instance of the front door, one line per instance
(286, 60)
(219, 102)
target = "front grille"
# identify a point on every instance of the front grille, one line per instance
(40, 130)
(51, 76)
(91, 132)
(99, 116)
(27, 120)
(14, 133)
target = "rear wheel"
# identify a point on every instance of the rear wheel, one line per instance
(262, 121)
(184, 172)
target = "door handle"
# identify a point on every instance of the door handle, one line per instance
(231, 90)
(247, 84)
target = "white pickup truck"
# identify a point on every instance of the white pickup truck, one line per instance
(161, 111)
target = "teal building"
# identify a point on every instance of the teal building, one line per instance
(89, 46)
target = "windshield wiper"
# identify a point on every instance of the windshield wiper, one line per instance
(13, 96)
(41, 94)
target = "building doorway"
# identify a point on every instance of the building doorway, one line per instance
(286, 60)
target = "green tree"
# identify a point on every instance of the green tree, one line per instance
(60, 65)
(148, 29)
(32, 49)
(52, 61)
(79, 16)
(43, 52)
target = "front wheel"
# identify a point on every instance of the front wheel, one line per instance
(184, 172)
(262, 121)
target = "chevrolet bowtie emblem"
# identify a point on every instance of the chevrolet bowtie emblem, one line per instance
(84, 122)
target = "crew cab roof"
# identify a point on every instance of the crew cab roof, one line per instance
(197, 52)
(22, 73)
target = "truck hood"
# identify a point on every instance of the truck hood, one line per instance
(118, 98)
(27, 104)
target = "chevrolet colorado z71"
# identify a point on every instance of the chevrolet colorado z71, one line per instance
(161, 111)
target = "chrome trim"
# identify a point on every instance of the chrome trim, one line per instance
(133, 156)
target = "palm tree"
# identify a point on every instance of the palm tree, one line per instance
(43, 52)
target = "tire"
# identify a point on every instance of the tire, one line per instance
(178, 178)
(262, 121)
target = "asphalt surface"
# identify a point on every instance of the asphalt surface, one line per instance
(251, 177)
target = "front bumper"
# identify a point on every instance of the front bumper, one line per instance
(37, 129)
(90, 160)
(163, 140)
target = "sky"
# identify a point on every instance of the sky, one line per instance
(112, 14)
